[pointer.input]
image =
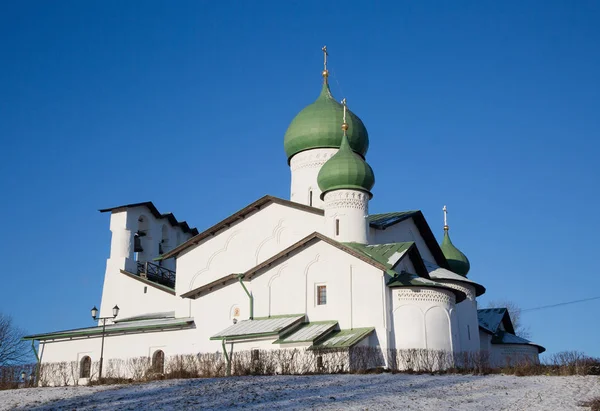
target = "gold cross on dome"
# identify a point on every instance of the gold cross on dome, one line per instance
(325, 54)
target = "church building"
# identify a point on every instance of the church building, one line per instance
(316, 272)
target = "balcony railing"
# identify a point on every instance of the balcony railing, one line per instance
(156, 273)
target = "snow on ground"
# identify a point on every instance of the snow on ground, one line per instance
(342, 392)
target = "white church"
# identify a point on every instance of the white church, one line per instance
(315, 272)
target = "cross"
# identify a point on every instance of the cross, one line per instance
(325, 54)
(445, 216)
(344, 104)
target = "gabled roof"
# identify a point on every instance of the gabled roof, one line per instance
(232, 219)
(491, 318)
(383, 221)
(207, 288)
(259, 327)
(148, 316)
(438, 273)
(391, 254)
(150, 206)
(120, 328)
(254, 271)
(342, 339)
(308, 332)
(314, 237)
(503, 337)
(378, 256)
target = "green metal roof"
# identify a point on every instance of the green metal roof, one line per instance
(386, 254)
(308, 332)
(343, 339)
(491, 318)
(345, 170)
(126, 327)
(382, 221)
(503, 337)
(438, 273)
(259, 327)
(459, 263)
(318, 126)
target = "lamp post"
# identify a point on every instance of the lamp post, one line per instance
(94, 311)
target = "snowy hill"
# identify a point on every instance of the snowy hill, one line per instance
(381, 391)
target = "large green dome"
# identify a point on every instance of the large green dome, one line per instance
(318, 126)
(345, 170)
(459, 263)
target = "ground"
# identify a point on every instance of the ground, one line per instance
(343, 392)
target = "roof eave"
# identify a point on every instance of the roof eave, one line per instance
(235, 217)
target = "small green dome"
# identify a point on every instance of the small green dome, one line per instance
(345, 170)
(318, 126)
(459, 263)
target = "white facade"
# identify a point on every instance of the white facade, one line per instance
(305, 167)
(346, 215)
(313, 260)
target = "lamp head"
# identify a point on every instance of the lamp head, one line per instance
(94, 312)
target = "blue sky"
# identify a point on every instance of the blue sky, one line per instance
(488, 107)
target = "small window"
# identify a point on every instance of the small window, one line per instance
(85, 367)
(310, 198)
(158, 361)
(255, 356)
(337, 226)
(320, 362)
(145, 289)
(321, 294)
(469, 332)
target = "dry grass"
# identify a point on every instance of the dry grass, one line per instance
(594, 404)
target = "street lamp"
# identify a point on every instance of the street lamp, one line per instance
(115, 312)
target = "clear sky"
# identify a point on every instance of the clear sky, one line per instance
(489, 107)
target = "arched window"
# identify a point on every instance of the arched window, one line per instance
(85, 367)
(158, 361)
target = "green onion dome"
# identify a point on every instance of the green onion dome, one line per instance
(459, 263)
(346, 170)
(318, 126)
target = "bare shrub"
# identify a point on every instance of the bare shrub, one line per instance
(211, 365)
(364, 359)
(594, 404)
(137, 367)
(10, 376)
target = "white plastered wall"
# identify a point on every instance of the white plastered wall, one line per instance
(501, 355)
(346, 215)
(134, 297)
(117, 347)
(355, 289)
(424, 317)
(467, 321)
(115, 291)
(304, 168)
(242, 246)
